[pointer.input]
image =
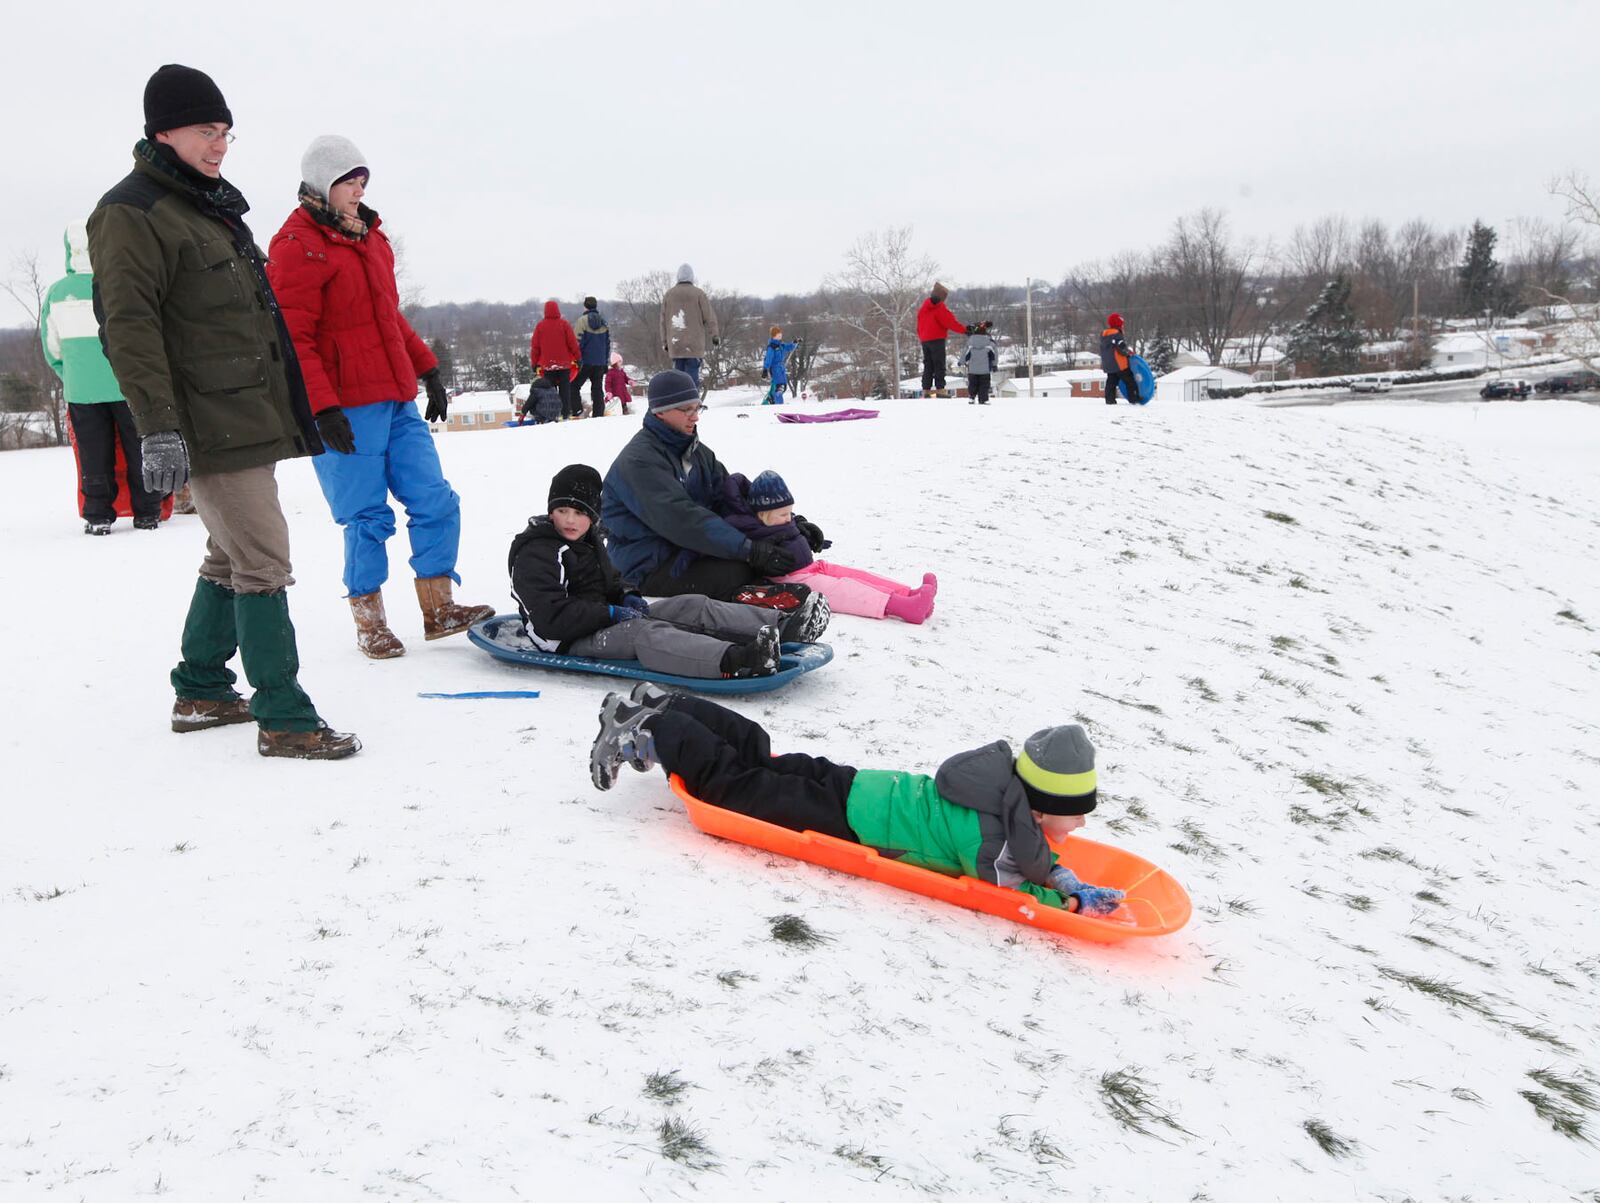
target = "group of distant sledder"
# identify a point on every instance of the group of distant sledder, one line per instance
(230, 362)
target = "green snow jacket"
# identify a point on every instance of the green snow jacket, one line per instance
(70, 333)
(971, 819)
(189, 321)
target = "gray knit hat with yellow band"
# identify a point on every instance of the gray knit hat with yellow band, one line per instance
(1057, 771)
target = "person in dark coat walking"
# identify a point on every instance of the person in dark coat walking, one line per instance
(594, 356)
(193, 331)
(1115, 359)
(935, 323)
(659, 506)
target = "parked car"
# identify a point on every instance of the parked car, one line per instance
(1495, 389)
(1372, 384)
(1570, 382)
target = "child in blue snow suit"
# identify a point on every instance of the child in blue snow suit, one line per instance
(775, 365)
(989, 813)
(573, 601)
(981, 360)
(763, 510)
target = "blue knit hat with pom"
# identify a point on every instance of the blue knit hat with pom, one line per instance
(768, 492)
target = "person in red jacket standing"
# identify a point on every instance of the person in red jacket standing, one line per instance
(554, 350)
(332, 268)
(935, 323)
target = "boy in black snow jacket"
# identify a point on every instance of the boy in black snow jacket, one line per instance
(573, 601)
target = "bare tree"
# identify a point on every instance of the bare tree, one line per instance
(1209, 275)
(876, 293)
(27, 286)
(1582, 340)
(742, 332)
(639, 318)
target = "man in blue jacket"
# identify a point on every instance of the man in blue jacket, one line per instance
(594, 356)
(657, 506)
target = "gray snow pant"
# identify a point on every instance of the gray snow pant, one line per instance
(685, 636)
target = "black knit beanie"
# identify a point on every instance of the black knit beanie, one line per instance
(176, 96)
(577, 486)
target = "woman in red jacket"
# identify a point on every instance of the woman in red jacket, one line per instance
(555, 350)
(333, 271)
(934, 323)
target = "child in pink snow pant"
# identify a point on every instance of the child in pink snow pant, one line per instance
(855, 591)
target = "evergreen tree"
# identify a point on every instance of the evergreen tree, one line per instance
(1478, 279)
(447, 362)
(1160, 353)
(1327, 340)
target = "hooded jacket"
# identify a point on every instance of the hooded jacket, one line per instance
(554, 346)
(776, 361)
(980, 358)
(342, 306)
(1114, 351)
(594, 340)
(687, 322)
(971, 819)
(563, 589)
(935, 321)
(70, 333)
(660, 500)
(544, 400)
(740, 515)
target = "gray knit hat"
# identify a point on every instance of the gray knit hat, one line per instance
(671, 389)
(1057, 770)
(330, 159)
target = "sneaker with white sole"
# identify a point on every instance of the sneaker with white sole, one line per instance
(618, 741)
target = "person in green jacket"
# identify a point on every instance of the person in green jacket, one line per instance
(190, 324)
(988, 813)
(100, 417)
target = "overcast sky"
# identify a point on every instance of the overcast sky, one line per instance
(534, 149)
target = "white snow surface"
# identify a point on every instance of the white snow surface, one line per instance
(446, 968)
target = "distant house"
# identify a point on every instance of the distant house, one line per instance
(481, 411)
(1084, 384)
(955, 385)
(1194, 383)
(1484, 348)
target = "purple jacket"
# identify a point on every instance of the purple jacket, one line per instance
(736, 512)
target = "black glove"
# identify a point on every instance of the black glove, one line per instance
(770, 559)
(765, 374)
(438, 399)
(800, 338)
(666, 348)
(716, 342)
(335, 430)
(811, 533)
(971, 328)
(166, 461)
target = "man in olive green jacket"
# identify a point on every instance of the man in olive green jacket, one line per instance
(192, 330)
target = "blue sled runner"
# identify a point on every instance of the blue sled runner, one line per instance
(503, 638)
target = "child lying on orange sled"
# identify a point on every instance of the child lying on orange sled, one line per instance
(986, 814)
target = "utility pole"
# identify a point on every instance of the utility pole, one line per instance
(1416, 330)
(1029, 330)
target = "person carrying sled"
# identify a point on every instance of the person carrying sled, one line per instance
(1115, 358)
(763, 509)
(775, 365)
(619, 384)
(935, 323)
(989, 813)
(981, 361)
(594, 350)
(194, 334)
(553, 350)
(574, 602)
(659, 507)
(332, 266)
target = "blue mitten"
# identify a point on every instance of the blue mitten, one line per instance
(1063, 881)
(1097, 900)
(624, 613)
(634, 602)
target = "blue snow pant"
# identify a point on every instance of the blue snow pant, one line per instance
(395, 454)
(692, 366)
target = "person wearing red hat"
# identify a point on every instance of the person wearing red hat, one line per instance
(1115, 358)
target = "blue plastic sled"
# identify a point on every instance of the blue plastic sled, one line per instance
(503, 638)
(1145, 377)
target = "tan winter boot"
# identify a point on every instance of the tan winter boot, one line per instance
(201, 714)
(440, 615)
(373, 636)
(322, 744)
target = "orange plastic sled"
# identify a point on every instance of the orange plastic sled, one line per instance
(1155, 904)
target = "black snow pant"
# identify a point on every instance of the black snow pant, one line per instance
(96, 428)
(1126, 375)
(726, 760)
(595, 374)
(561, 378)
(978, 387)
(932, 364)
(718, 579)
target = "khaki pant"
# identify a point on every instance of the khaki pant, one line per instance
(247, 549)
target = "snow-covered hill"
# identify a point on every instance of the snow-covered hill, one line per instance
(1341, 665)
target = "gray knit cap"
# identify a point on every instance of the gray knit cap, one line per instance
(1057, 770)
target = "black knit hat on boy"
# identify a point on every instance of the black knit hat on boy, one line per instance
(672, 389)
(176, 96)
(1057, 771)
(577, 486)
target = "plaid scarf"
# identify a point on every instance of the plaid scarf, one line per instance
(314, 203)
(215, 197)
